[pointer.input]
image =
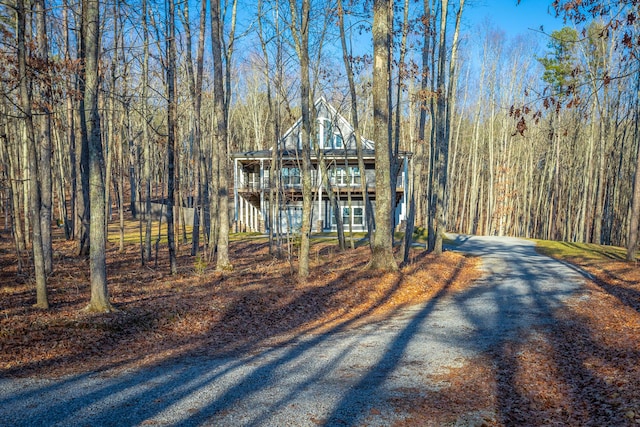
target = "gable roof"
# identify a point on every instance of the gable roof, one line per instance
(335, 116)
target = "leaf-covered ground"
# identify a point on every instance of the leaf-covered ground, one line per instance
(200, 312)
(582, 370)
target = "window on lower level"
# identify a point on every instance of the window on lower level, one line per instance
(357, 219)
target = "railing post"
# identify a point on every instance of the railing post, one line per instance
(235, 189)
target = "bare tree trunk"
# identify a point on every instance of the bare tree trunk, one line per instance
(601, 184)
(275, 245)
(227, 52)
(382, 257)
(146, 257)
(60, 152)
(301, 38)
(441, 142)
(171, 138)
(420, 159)
(46, 197)
(195, 89)
(12, 158)
(587, 185)
(73, 227)
(222, 260)
(333, 202)
(8, 159)
(83, 210)
(452, 91)
(97, 228)
(368, 211)
(633, 238)
(443, 122)
(121, 167)
(42, 299)
(431, 174)
(115, 143)
(397, 130)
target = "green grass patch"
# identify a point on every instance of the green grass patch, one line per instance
(246, 235)
(450, 242)
(582, 251)
(334, 234)
(420, 235)
(132, 232)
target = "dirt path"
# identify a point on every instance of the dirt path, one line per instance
(347, 377)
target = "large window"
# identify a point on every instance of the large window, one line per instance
(290, 176)
(356, 220)
(345, 176)
(332, 136)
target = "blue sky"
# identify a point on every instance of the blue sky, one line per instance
(514, 19)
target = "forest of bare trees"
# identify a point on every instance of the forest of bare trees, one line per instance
(108, 105)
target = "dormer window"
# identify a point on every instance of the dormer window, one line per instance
(332, 140)
(337, 141)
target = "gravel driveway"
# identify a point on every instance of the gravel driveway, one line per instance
(346, 377)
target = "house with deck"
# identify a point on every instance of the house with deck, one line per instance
(333, 141)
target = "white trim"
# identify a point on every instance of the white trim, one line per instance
(235, 189)
(319, 183)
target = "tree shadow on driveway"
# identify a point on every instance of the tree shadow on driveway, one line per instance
(340, 376)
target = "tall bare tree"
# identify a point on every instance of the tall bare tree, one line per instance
(146, 251)
(382, 257)
(222, 259)
(171, 132)
(97, 227)
(346, 59)
(72, 229)
(274, 90)
(46, 101)
(300, 32)
(195, 91)
(633, 240)
(42, 300)
(445, 93)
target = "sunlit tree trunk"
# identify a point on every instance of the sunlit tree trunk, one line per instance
(146, 253)
(45, 145)
(195, 89)
(382, 257)
(273, 96)
(222, 260)
(42, 299)
(83, 213)
(633, 238)
(422, 152)
(97, 227)
(368, 210)
(440, 155)
(300, 33)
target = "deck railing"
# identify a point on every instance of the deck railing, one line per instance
(294, 183)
